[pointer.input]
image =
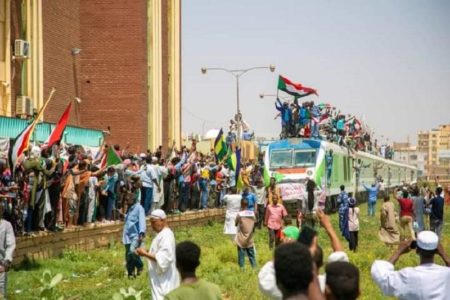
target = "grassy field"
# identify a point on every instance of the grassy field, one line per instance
(98, 274)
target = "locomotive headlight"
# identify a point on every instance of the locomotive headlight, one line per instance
(309, 173)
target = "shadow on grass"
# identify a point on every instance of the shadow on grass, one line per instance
(28, 265)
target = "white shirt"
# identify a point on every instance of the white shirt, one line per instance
(260, 195)
(93, 181)
(353, 219)
(163, 274)
(424, 282)
(148, 175)
(233, 202)
(157, 196)
(267, 281)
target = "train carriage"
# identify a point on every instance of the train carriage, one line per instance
(292, 161)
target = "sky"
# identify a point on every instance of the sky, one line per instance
(386, 61)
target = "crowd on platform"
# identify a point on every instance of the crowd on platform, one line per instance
(53, 189)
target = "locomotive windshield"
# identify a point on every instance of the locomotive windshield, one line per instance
(305, 158)
(293, 158)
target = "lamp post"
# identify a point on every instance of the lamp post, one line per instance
(237, 74)
(285, 98)
(75, 52)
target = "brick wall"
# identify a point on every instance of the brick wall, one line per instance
(61, 33)
(113, 69)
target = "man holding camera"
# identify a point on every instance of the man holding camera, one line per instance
(425, 281)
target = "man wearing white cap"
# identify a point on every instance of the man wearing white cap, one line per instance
(162, 270)
(426, 281)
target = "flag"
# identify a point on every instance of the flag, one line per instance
(231, 159)
(239, 183)
(220, 147)
(278, 176)
(294, 89)
(111, 158)
(21, 142)
(57, 132)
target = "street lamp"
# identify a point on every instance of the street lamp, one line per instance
(237, 74)
(286, 98)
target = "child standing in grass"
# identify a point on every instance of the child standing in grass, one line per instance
(245, 222)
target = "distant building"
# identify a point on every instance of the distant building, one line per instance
(436, 145)
(410, 155)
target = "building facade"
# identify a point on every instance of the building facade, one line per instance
(436, 144)
(121, 59)
(407, 154)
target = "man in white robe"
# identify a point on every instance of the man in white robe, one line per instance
(162, 270)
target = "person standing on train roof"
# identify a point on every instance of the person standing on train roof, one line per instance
(286, 117)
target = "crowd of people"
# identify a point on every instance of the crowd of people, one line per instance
(54, 189)
(322, 121)
(419, 209)
(67, 186)
(294, 271)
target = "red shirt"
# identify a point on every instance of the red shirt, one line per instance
(406, 207)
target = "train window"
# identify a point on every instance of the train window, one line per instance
(305, 158)
(345, 168)
(281, 159)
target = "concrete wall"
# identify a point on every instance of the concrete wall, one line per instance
(53, 244)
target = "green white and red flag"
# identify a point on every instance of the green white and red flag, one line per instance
(294, 89)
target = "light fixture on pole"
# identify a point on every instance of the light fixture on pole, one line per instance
(286, 98)
(237, 74)
(75, 52)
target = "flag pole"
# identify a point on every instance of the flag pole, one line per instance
(40, 115)
(50, 96)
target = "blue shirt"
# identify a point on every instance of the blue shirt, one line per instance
(437, 208)
(340, 124)
(342, 201)
(134, 224)
(251, 200)
(373, 191)
(148, 174)
(111, 183)
(315, 111)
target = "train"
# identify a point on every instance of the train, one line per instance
(292, 161)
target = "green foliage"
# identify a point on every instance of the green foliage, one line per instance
(130, 294)
(100, 273)
(49, 282)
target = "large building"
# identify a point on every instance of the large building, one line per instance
(121, 58)
(436, 145)
(409, 154)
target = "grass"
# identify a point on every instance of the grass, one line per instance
(100, 273)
